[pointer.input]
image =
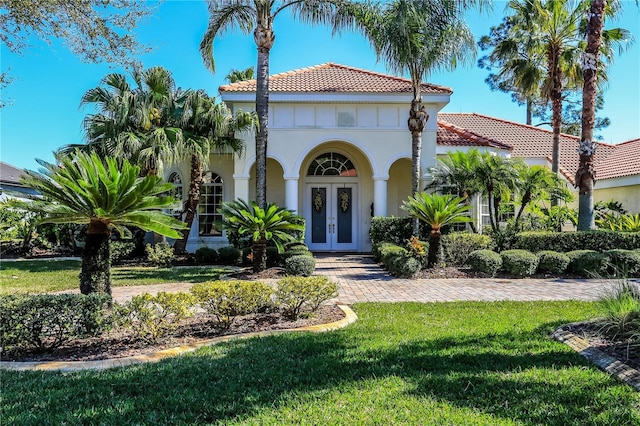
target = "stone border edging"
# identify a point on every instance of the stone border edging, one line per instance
(350, 318)
(614, 367)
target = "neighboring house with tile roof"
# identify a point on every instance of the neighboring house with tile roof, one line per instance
(10, 184)
(339, 151)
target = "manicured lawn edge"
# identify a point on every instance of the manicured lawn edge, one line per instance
(616, 368)
(350, 318)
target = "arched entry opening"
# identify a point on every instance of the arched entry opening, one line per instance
(275, 183)
(398, 186)
(336, 186)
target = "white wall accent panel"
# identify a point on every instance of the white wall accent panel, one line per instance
(388, 117)
(283, 116)
(346, 116)
(367, 117)
(304, 116)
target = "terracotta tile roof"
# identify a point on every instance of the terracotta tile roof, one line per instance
(335, 78)
(450, 135)
(623, 161)
(529, 141)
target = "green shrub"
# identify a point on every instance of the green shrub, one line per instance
(567, 241)
(378, 249)
(522, 263)
(396, 230)
(295, 293)
(206, 256)
(46, 321)
(458, 246)
(625, 263)
(226, 300)
(230, 256)
(160, 255)
(485, 261)
(389, 250)
(121, 250)
(587, 263)
(153, 318)
(300, 265)
(403, 265)
(552, 262)
(295, 252)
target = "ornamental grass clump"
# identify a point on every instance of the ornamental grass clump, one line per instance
(295, 294)
(621, 309)
(624, 263)
(226, 300)
(521, 263)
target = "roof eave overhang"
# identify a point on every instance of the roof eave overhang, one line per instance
(439, 99)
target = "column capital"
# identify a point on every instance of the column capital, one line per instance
(381, 177)
(291, 177)
(241, 177)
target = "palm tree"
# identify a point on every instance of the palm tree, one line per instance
(437, 211)
(206, 126)
(258, 16)
(274, 224)
(134, 123)
(497, 177)
(240, 75)
(591, 70)
(418, 37)
(104, 195)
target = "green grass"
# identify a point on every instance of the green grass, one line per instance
(400, 364)
(43, 276)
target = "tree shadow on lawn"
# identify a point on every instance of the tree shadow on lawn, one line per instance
(175, 275)
(45, 265)
(535, 382)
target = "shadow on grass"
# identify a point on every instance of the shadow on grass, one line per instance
(512, 376)
(196, 274)
(44, 265)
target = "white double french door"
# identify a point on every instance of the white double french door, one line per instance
(331, 211)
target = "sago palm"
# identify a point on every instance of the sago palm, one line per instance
(275, 224)
(257, 17)
(437, 211)
(83, 189)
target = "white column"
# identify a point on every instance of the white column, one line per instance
(241, 187)
(291, 192)
(380, 196)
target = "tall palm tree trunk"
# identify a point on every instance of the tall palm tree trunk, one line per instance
(264, 38)
(553, 57)
(95, 275)
(586, 175)
(195, 183)
(416, 123)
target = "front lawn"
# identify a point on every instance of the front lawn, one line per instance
(40, 276)
(466, 363)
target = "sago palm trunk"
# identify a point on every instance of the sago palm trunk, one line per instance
(192, 203)
(264, 39)
(585, 176)
(433, 258)
(95, 275)
(259, 249)
(416, 123)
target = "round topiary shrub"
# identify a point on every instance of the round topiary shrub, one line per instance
(624, 263)
(229, 256)
(521, 263)
(390, 251)
(206, 256)
(587, 263)
(552, 262)
(300, 265)
(485, 261)
(404, 266)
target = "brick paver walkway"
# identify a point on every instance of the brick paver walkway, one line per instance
(360, 279)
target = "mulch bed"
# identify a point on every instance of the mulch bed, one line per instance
(119, 344)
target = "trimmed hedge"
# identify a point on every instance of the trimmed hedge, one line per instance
(624, 262)
(230, 255)
(396, 230)
(587, 263)
(403, 265)
(300, 265)
(485, 261)
(206, 256)
(458, 246)
(522, 263)
(552, 262)
(567, 241)
(293, 294)
(46, 321)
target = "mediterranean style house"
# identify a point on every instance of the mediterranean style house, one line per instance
(339, 153)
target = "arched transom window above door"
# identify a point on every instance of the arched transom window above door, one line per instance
(332, 164)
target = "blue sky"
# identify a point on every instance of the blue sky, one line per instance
(43, 101)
